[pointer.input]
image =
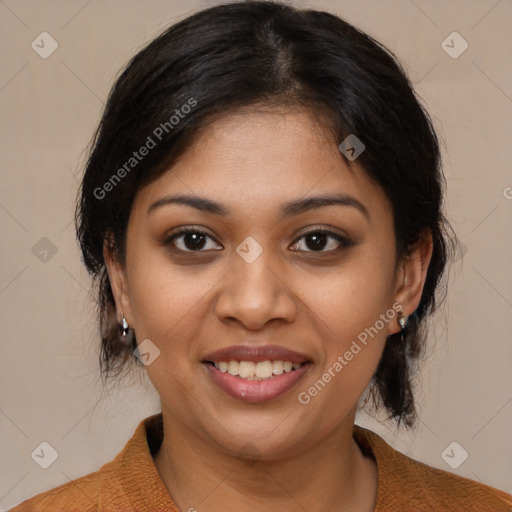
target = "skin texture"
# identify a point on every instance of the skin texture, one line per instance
(313, 300)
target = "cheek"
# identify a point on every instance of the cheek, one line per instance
(352, 298)
(352, 304)
(163, 297)
(353, 337)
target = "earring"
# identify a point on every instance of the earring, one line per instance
(125, 328)
(402, 320)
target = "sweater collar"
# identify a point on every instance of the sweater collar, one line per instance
(147, 492)
(138, 474)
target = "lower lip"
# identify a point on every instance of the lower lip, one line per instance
(256, 391)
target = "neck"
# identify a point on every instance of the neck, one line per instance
(331, 475)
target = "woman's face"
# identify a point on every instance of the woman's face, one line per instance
(261, 275)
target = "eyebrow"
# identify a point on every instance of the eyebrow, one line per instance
(291, 208)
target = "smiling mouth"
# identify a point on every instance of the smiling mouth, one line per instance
(250, 370)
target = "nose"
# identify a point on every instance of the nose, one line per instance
(256, 293)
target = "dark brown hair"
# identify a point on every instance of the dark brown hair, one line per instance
(268, 53)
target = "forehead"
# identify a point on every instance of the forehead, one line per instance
(265, 158)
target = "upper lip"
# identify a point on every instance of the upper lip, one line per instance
(256, 353)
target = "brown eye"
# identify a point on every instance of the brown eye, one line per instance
(318, 240)
(190, 241)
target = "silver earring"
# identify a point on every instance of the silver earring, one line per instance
(125, 328)
(402, 320)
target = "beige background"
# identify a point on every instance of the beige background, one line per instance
(50, 390)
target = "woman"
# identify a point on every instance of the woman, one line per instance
(262, 209)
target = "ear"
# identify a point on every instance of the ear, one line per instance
(411, 278)
(118, 281)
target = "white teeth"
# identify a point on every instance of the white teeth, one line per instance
(277, 367)
(263, 370)
(247, 369)
(233, 367)
(256, 371)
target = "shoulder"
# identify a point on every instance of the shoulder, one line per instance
(89, 493)
(408, 484)
(79, 495)
(443, 490)
(116, 485)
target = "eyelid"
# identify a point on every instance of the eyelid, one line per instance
(326, 231)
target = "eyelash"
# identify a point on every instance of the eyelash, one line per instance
(344, 241)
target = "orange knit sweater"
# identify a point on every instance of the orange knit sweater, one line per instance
(130, 482)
